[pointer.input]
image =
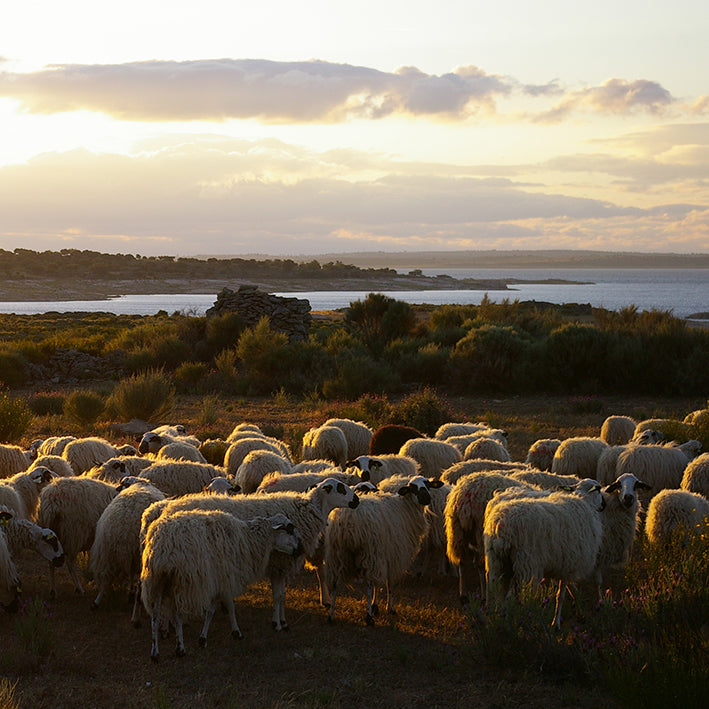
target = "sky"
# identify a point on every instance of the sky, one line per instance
(288, 129)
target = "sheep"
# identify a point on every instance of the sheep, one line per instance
(578, 456)
(23, 534)
(23, 489)
(375, 469)
(152, 442)
(669, 428)
(9, 578)
(326, 442)
(238, 450)
(390, 437)
(115, 552)
(180, 450)
(675, 512)
(126, 450)
(112, 471)
(541, 453)
(222, 486)
(466, 467)
(71, 507)
(175, 430)
(177, 477)
(13, 459)
(696, 475)
(658, 466)
(447, 430)
(546, 481)
(618, 430)
(301, 482)
(83, 453)
(486, 449)
(317, 465)
(241, 428)
(309, 512)
(697, 418)
(433, 456)
(54, 445)
(647, 437)
(376, 542)
(607, 463)
(529, 538)
(55, 463)
(357, 434)
(196, 558)
(256, 465)
(214, 450)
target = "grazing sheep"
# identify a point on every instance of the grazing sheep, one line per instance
(487, 449)
(375, 469)
(376, 542)
(647, 437)
(112, 471)
(115, 552)
(529, 538)
(309, 512)
(670, 429)
(13, 459)
(239, 449)
(170, 429)
(390, 437)
(152, 442)
(21, 492)
(23, 534)
(72, 507)
(126, 450)
(178, 477)
(578, 456)
(676, 512)
(357, 434)
(9, 578)
(448, 430)
(197, 558)
(54, 445)
(256, 466)
(214, 450)
(302, 482)
(618, 430)
(83, 453)
(541, 453)
(325, 442)
(55, 463)
(466, 467)
(433, 456)
(180, 450)
(696, 475)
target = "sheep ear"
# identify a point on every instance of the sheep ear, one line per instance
(5, 517)
(235, 487)
(613, 487)
(434, 483)
(405, 490)
(327, 488)
(566, 488)
(643, 486)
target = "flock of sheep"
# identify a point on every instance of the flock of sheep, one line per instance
(192, 524)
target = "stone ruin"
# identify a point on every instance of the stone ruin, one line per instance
(288, 315)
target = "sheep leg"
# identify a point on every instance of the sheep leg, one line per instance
(371, 604)
(74, 574)
(208, 615)
(97, 600)
(235, 631)
(180, 649)
(333, 596)
(390, 599)
(278, 590)
(155, 628)
(560, 594)
(135, 616)
(465, 579)
(324, 593)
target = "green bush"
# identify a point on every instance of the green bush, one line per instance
(189, 376)
(13, 369)
(149, 396)
(15, 418)
(47, 404)
(83, 407)
(223, 331)
(264, 352)
(378, 319)
(424, 410)
(359, 374)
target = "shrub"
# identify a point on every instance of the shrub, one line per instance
(83, 407)
(378, 319)
(189, 375)
(15, 418)
(423, 410)
(149, 396)
(224, 330)
(373, 409)
(13, 369)
(47, 404)
(359, 374)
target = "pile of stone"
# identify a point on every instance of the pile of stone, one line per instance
(288, 315)
(70, 366)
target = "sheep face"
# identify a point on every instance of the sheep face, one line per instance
(626, 486)
(339, 489)
(222, 486)
(366, 465)
(364, 487)
(50, 547)
(287, 539)
(42, 476)
(591, 490)
(419, 486)
(648, 437)
(149, 443)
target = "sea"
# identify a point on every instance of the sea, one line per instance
(684, 292)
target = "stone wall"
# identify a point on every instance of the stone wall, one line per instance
(289, 315)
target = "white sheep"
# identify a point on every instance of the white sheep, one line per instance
(13, 459)
(452, 428)
(376, 468)
(541, 453)
(180, 477)
(22, 534)
(82, 454)
(115, 552)
(377, 541)
(71, 507)
(670, 429)
(9, 578)
(309, 512)
(618, 430)
(696, 475)
(578, 456)
(544, 480)
(241, 428)
(607, 464)
(256, 466)
(302, 482)
(466, 467)
(486, 449)
(55, 463)
(357, 434)
(54, 445)
(112, 471)
(676, 512)
(239, 449)
(196, 559)
(180, 450)
(433, 456)
(325, 442)
(222, 486)
(20, 493)
(152, 442)
(529, 538)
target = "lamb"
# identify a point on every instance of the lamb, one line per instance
(302, 482)
(196, 558)
(23, 534)
(376, 542)
(618, 430)
(357, 434)
(180, 450)
(256, 466)
(433, 456)
(115, 552)
(309, 512)
(71, 507)
(83, 453)
(676, 512)
(466, 467)
(238, 450)
(578, 456)
(696, 475)
(375, 469)
(13, 459)
(177, 477)
(21, 492)
(487, 449)
(390, 437)
(541, 453)
(326, 442)
(529, 538)
(55, 463)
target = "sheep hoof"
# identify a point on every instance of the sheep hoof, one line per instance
(235, 634)
(202, 641)
(274, 625)
(369, 620)
(464, 600)
(180, 652)
(330, 620)
(285, 627)
(154, 657)
(94, 606)
(375, 609)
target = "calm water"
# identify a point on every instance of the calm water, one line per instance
(684, 291)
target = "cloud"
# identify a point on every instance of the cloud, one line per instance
(217, 90)
(615, 96)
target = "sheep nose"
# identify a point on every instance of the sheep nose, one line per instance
(58, 560)
(628, 500)
(354, 501)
